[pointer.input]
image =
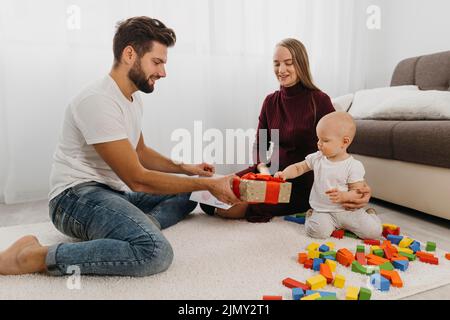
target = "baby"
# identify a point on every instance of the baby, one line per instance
(337, 175)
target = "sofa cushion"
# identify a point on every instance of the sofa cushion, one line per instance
(424, 142)
(373, 138)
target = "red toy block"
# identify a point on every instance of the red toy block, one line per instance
(291, 283)
(338, 233)
(431, 260)
(361, 258)
(326, 272)
(302, 257)
(447, 256)
(272, 298)
(308, 264)
(424, 254)
(387, 231)
(372, 242)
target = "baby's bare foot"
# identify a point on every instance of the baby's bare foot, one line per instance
(26, 255)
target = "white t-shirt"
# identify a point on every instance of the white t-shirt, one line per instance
(100, 113)
(329, 175)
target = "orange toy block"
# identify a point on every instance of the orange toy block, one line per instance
(361, 258)
(272, 298)
(447, 256)
(326, 272)
(302, 257)
(393, 277)
(344, 257)
(424, 254)
(372, 242)
(291, 283)
(388, 253)
(397, 257)
(431, 260)
(376, 258)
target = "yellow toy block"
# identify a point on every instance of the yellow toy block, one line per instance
(352, 293)
(313, 246)
(405, 250)
(372, 248)
(405, 242)
(339, 281)
(317, 282)
(330, 245)
(392, 227)
(313, 296)
(331, 264)
(313, 254)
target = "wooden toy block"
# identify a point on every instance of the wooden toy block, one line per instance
(324, 248)
(386, 243)
(331, 264)
(300, 215)
(291, 283)
(350, 234)
(398, 257)
(352, 293)
(386, 266)
(308, 264)
(415, 246)
(313, 254)
(373, 248)
(380, 282)
(326, 272)
(405, 250)
(328, 253)
(393, 277)
(339, 281)
(344, 257)
(379, 252)
(390, 226)
(372, 269)
(327, 298)
(299, 220)
(302, 257)
(360, 248)
(330, 245)
(312, 246)
(447, 256)
(431, 260)
(372, 242)
(401, 264)
(322, 293)
(297, 293)
(376, 258)
(405, 242)
(388, 253)
(411, 257)
(364, 294)
(358, 268)
(316, 264)
(317, 282)
(311, 297)
(272, 298)
(394, 239)
(431, 246)
(361, 258)
(424, 254)
(338, 234)
(329, 258)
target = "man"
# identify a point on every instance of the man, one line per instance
(108, 188)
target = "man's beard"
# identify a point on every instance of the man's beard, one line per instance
(137, 76)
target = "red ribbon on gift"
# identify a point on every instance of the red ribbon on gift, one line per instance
(272, 186)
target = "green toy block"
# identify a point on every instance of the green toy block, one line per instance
(372, 269)
(350, 234)
(411, 257)
(386, 266)
(331, 297)
(431, 246)
(300, 215)
(328, 253)
(379, 252)
(364, 294)
(360, 248)
(358, 268)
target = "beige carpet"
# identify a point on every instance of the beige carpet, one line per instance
(214, 259)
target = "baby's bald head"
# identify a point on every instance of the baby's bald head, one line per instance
(340, 123)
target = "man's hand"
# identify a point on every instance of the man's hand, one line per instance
(202, 170)
(221, 188)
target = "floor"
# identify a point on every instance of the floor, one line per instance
(411, 222)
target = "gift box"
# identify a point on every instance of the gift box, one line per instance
(259, 188)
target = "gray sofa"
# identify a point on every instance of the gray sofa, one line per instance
(408, 162)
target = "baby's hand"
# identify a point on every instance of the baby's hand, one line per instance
(337, 196)
(280, 175)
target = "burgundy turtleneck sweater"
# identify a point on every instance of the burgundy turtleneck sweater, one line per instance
(294, 111)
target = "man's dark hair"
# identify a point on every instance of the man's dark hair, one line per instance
(140, 32)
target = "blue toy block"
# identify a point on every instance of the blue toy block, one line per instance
(324, 248)
(322, 293)
(394, 239)
(316, 264)
(297, 293)
(415, 246)
(295, 219)
(329, 258)
(379, 282)
(401, 264)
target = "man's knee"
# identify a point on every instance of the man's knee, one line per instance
(187, 204)
(154, 257)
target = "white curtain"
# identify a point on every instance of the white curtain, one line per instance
(219, 72)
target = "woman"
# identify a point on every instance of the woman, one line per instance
(294, 110)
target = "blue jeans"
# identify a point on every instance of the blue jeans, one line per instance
(120, 231)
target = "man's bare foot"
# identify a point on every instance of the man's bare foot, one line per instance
(26, 255)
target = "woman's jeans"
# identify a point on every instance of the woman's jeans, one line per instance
(120, 231)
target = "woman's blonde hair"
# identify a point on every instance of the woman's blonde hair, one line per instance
(300, 60)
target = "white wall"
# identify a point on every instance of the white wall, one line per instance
(409, 28)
